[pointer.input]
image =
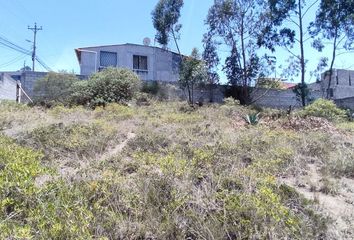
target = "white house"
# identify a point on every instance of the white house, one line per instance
(150, 63)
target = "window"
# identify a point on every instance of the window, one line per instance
(108, 59)
(140, 63)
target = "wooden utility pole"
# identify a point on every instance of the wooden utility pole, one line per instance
(35, 29)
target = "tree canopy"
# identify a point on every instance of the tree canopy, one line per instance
(165, 18)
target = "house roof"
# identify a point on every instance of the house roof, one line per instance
(287, 85)
(79, 50)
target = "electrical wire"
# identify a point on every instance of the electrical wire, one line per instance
(15, 60)
(7, 43)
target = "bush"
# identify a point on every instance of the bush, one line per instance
(77, 139)
(29, 211)
(54, 88)
(151, 87)
(111, 85)
(326, 109)
(230, 101)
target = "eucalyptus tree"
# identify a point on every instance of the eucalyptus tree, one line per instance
(211, 60)
(335, 23)
(238, 24)
(290, 31)
(165, 18)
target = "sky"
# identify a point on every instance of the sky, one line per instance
(70, 24)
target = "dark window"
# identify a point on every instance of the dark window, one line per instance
(108, 59)
(140, 62)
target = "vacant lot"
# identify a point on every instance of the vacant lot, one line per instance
(168, 171)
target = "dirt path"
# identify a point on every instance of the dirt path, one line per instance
(118, 148)
(83, 168)
(339, 207)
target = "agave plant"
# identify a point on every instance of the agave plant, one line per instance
(252, 119)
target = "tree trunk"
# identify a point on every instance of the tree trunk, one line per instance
(189, 94)
(302, 56)
(332, 63)
(175, 40)
(244, 80)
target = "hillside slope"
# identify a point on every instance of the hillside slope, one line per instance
(166, 171)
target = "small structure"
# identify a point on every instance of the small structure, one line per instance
(340, 86)
(8, 87)
(27, 79)
(150, 63)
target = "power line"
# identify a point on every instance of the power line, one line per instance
(13, 46)
(7, 43)
(35, 29)
(16, 59)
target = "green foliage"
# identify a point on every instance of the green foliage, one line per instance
(151, 87)
(193, 72)
(54, 88)
(77, 139)
(162, 172)
(165, 18)
(230, 101)
(272, 83)
(8, 109)
(110, 85)
(302, 93)
(326, 109)
(28, 211)
(114, 112)
(228, 21)
(253, 119)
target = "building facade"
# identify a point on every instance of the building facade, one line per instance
(150, 63)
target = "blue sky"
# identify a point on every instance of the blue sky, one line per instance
(78, 23)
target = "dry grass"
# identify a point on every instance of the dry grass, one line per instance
(167, 171)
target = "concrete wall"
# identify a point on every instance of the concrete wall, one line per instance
(345, 103)
(281, 99)
(162, 64)
(342, 83)
(28, 80)
(274, 98)
(172, 92)
(8, 87)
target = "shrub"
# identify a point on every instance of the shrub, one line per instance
(230, 101)
(325, 109)
(111, 85)
(28, 211)
(54, 88)
(151, 87)
(9, 111)
(58, 140)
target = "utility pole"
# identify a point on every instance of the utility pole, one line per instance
(35, 29)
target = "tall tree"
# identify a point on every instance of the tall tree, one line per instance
(335, 23)
(165, 18)
(211, 60)
(289, 28)
(193, 72)
(237, 24)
